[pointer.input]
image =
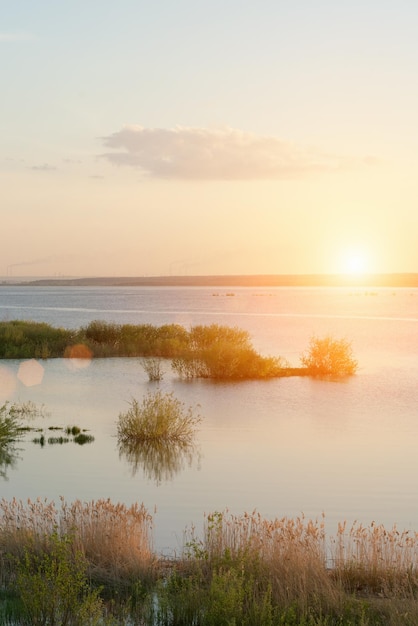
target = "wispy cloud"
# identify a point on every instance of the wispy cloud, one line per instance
(223, 154)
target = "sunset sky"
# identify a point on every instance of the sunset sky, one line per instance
(191, 137)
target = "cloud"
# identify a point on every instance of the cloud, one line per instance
(225, 154)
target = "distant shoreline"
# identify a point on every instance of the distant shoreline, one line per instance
(239, 280)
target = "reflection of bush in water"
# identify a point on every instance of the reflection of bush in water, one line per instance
(10, 432)
(82, 438)
(158, 460)
(8, 459)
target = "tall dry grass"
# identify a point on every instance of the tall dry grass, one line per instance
(287, 555)
(376, 560)
(305, 567)
(281, 567)
(115, 539)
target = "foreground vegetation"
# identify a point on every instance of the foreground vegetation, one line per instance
(214, 351)
(93, 563)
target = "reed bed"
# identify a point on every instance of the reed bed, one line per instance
(289, 556)
(376, 560)
(243, 569)
(115, 539)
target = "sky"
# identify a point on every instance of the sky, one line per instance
(188, 137)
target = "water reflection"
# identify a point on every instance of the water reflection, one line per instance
(159, 461)
(8, 459)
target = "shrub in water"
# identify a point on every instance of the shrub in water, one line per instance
(159, 417)
(153, 368)
(329, 358)
(224, 353)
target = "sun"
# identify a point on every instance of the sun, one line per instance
(354, 261)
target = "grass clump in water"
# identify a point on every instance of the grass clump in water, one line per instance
(73, 430)
(153, 368)
(160, 417)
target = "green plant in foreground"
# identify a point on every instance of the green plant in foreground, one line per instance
(159, 417)
(54, 589)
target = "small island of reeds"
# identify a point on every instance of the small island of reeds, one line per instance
(213, 351)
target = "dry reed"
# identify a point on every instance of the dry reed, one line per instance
(293, 559)
(293, 556)
(287, 554)
(375, 560)
(115, 539)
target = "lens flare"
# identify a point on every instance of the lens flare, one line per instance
(79, 356)
(31, 373)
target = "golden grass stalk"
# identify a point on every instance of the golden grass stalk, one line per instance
(287, 554)
(115, 539)
(374, 559)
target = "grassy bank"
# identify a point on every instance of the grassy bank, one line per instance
(243, 570)
(214, 351)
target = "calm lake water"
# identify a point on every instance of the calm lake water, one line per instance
(283, 447)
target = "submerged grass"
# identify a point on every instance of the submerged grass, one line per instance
(244, 570)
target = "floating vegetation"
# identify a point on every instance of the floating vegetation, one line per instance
(71, 434)
(73, 430)
(28, 429)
